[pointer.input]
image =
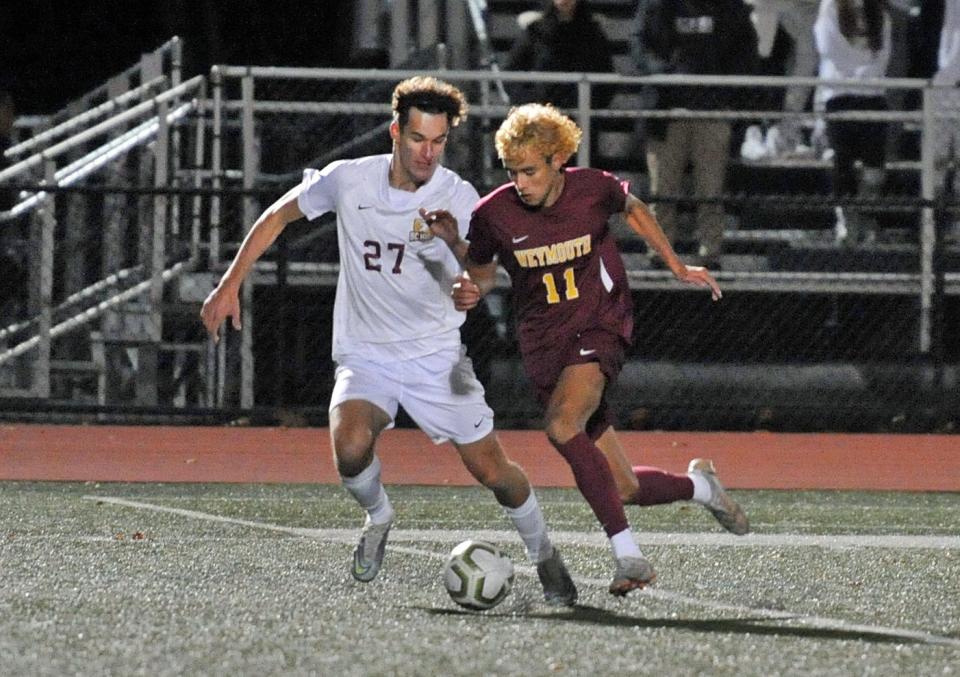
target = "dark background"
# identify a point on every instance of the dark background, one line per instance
(53, 51)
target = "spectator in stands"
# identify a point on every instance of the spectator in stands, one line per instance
(853, 40)
(566, 38)
(796, 18)
(702, 37)
(947, 99)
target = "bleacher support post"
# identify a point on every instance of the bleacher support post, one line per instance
(458, 40)
(927, 225)
(251, 166)
(583, 119)
(399, 32)
(46, 221)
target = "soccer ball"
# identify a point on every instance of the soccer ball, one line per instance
(478, 575)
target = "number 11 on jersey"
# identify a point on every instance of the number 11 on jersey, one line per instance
(570, 286)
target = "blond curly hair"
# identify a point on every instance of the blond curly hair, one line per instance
(539, 127)
(429, 95)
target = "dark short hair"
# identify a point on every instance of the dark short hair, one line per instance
(429, 95)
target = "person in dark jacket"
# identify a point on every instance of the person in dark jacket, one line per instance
(701, 37)
(565, 38)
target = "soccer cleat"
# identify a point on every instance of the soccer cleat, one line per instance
(558, 587)
(632, 573)
(727, 511)
(368, 555)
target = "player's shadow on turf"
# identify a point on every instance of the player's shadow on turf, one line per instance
(754, 626)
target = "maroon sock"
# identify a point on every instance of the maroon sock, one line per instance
(658, 486)
(595, 481)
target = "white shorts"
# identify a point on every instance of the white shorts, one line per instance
(440, 392)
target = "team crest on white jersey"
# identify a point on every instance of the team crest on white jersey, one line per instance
(421, 232)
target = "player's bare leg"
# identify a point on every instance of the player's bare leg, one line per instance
(354, 428)
(487, 462)
(575, 398)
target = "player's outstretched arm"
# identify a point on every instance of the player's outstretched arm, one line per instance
(644, 223)
(477, 279)
(224, 300)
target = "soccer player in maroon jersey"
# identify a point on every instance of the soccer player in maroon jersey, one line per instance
(548, 227)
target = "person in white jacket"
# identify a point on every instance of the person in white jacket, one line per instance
(946, 100)
(853, 40)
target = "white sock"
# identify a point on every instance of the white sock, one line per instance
(368, 491)
(702, 493)
(528, 519)
(624, 546)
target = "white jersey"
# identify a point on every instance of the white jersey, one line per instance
(393, 292)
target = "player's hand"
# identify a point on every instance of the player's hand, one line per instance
(466, 294)
(220, 304)
(443, 224)
(699, 276)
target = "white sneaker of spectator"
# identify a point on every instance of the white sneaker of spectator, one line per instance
(785, 141)
(840, 226)
(774, 142)
(753, 147)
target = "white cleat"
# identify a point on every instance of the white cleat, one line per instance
(558, 587)
(727, 511)
(368, 555)
(632, 573)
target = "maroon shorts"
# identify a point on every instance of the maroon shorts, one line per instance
(543, 367)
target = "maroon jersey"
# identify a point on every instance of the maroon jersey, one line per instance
(563, 261)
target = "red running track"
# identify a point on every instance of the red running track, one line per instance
(757, 460)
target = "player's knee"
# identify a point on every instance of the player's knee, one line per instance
(353, 450)
(488, 476)
(560, 428)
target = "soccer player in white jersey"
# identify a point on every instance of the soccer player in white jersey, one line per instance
(396, 333)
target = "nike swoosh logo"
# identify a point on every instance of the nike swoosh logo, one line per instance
(587, 352)
(364, 206)
(477, 424)
(520, 239)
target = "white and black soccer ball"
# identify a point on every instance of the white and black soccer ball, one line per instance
(478, 575)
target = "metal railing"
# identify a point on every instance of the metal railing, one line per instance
(245, 126)
(78, 149)
(262, 95)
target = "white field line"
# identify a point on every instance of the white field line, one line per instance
(714, 539)
(772, 540)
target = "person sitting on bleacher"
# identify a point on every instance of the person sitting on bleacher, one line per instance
(565, 37)
(795, 18)
(702, 37)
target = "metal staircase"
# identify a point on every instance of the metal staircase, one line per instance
(92, 317)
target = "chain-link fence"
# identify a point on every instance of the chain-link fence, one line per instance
(818, 329)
